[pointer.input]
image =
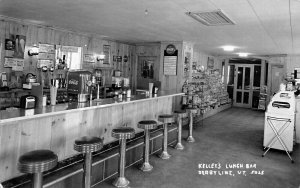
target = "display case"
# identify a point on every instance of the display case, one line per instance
(205, 91)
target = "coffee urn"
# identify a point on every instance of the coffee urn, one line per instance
(79, 85)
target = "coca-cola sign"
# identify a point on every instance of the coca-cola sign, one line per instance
(73, 82)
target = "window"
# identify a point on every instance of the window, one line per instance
(72, 56)
(223, 71)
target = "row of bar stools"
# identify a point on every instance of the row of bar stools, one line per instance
(166, 119)
(36, 162)
(122, 133)
(86, 145)
(191, 112)
(180, 115)
(147, 125)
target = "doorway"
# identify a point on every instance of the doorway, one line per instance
(243, 90)
(244, 77)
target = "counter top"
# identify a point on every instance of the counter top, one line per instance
(21, 114)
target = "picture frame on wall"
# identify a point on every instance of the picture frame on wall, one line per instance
(106, 51)
(210, 63)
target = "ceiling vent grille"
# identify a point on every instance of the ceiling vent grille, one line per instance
(212, 18)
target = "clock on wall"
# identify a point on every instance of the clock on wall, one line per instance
(170, 49)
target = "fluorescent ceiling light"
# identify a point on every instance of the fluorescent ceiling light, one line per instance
(228, 48)
(243, 54)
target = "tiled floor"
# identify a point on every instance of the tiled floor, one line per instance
(234, 136)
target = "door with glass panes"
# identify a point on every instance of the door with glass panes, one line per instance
(243, 90)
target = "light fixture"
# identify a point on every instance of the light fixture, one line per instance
(228, 48)
(34, 50)
(243, 54)
(101, 57)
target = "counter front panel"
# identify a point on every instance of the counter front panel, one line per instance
(57, 129)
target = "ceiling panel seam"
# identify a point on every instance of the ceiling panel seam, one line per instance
(261, 23)
(291, 26)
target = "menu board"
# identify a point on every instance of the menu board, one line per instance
(89, 58)
(69, 49)
(46, 48)
(14, 63)
(170, 65)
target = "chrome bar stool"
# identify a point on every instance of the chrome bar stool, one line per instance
(147, 125)
(36, 162)
(86, 145)
(166, 119)
(180, 114)
(122, 133)
(191, 112)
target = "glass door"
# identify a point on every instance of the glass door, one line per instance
(242, 95)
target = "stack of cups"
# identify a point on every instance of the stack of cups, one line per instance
(150, 88)
(53, 93)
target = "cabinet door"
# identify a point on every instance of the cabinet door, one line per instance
(146, 71)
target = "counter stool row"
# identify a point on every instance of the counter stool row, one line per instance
(38, 161)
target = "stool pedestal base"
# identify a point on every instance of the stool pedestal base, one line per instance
(38, 180)
(121, 182)
(164, 155)
(146, 167)
(190, 139)
(179, 146)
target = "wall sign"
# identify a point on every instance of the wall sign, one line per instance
(69, 49)
(90, 58)
(210, 63)
(170, 60)
(46, 48)
(119, 58)
(15, 46)
(106, 51)
(16, 64)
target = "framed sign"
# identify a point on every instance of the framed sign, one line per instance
(90, 58)
(210, 63)
(69, 49)
(46, 48)
(106, 51)
(170, 60)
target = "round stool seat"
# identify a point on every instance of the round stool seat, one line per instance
(88, 144)
(192, 110)
(147, 124)
(123, 133)
(181, 113)
(37, 161)
(166, 118)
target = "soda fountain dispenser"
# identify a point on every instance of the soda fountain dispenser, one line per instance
(79, 85)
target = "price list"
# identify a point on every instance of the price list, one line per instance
(170, 65)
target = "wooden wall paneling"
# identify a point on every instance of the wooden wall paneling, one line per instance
(130, 115)
(57, 37)
(72, 130)
(59, 132)
(143, 108)
(117, 54)
(10, 146)
(125, 64)
(105, 124)
(41, 35)
(113, 47)
(116, 116)
(88, 123)
(101, 122)
(132, 60)
(2, 38)
(150, 110)
(35, 134)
